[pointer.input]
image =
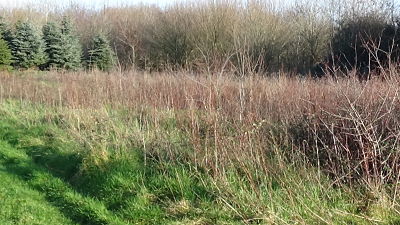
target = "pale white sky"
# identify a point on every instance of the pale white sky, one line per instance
(86, 3)
(101, 3)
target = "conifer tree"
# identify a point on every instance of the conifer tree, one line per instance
(73, 49)
(5, 55)
(62, 46)
(53, 45)
(5, 31)
(27, 46)
(101, 56)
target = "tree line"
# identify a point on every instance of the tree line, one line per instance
(251, 37)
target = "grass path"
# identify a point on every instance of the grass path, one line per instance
(31, 195)
(20, 204)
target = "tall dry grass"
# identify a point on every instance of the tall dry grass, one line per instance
(347, 128)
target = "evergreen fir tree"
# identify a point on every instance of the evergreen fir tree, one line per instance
(73, 49)
(62, 46)
(5, 55)
(53, 45)
(5, 31)
(101, 55)
(27, 47)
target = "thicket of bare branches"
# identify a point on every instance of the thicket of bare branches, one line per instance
(255, 36)
(348, 129)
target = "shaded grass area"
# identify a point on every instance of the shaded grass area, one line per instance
(130, 187)
(20, 204)
(79, 208)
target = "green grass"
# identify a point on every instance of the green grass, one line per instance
(79, 208)
(101, 178)
(20, 204)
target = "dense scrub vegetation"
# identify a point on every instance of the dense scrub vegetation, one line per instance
(256, 36)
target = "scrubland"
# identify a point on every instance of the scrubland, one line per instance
(209, 112)
(178, 148)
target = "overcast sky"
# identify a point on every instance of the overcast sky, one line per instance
(100, 3)
(86, 3)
